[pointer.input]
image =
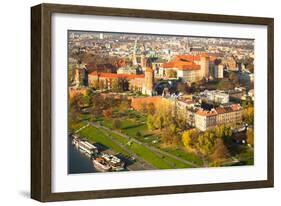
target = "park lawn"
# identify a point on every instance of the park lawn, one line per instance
(176, 163)
(162, 163)
(73, 126)
(149, 156)
(184, 155)
(95, 135)
(132, 130)
(143, 152)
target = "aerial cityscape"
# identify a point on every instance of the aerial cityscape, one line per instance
(149, 102)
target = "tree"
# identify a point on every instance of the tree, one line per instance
(84, 101)
(234, 78)
(151, 108)
(182, 87)
(204, 144)
(124, 105)
(220, 151)
(116, 124)
(143, 107)
(169, 136)
(97, 104)
(171, 73)
(150, 122)
(248, 115)
(101, 84)
(159, 122)
(225, 85)
(250, 136)
(138, 134)
(95, 84)
(115, 85)
(107, 113)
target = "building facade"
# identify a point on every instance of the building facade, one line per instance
(231, 115)
(188, 67)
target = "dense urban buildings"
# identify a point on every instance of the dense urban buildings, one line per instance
(185, 101)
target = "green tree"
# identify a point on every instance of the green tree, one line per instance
(220, 151)
(248, 115)
(150, 122)
(95, 84)
(115, 85)
(205, 143)
(107, 113)
(138, 134)
(171, 73)
(143, 107)
(250, 136)
(101, 84)
(116, 124)
(151, 108)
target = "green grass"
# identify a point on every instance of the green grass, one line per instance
(149, 156)
(131, 123)
(95, 135)
(247, 156)
(184, 155)
(73, 126)
(159, 161)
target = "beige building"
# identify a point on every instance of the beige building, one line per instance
(231, 115)
(190, 68)
(219, 71)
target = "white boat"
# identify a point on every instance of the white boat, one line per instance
(101, 164)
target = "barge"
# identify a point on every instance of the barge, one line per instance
(106, 162)
(84, 146)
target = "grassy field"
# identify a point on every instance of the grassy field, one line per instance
(184, 155)
(246, 157)
(96, 136)
(156, 159)
(132, 123)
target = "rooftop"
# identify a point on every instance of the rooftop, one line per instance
(115, 75)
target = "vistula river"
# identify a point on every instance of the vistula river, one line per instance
(77, 161)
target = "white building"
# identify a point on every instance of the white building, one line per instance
(219, 71)
(216, 96)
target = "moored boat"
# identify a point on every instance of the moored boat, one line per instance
(101, 164)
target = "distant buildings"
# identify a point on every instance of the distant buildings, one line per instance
(126, 70)
(231, 64)
(246, 79)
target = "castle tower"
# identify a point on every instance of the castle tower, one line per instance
(219, 71)
(80, 76)
(148, 79)
(134, 56)
(143, 61)
(143, 58)
(204, 64)
(77, 78)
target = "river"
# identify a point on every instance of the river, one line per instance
(77, 161)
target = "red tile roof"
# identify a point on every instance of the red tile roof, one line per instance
(202, 112)
(186, 62)
(181, 65)
(219, 110)
(235, 107)
(114, 75)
